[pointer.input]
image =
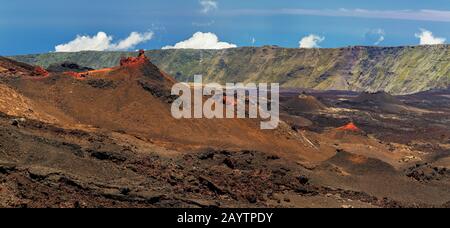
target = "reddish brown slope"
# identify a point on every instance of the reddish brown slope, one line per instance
(134, 99)
(9, 68)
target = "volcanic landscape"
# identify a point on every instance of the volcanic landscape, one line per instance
(73, 136)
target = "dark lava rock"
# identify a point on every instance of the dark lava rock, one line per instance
(303, 180)
(252, 199)
(206, 155)
(157, 91)
(67, 66)
(426, 173)
(108, 156)
(273, 157)
(212, 186)
(446, 205)
(230, 163)
(7, 168)
(102, 84)
(125, 191)
(15, 123)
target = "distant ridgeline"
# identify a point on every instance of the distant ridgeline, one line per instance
(397, 70)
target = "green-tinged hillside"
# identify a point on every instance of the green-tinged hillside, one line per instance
(397, 70)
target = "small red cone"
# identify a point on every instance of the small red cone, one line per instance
(349, 127)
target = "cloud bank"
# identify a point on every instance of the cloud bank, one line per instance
(311, 41)
(104, 42)
(427, 38)
(209, 5)
(202, 40)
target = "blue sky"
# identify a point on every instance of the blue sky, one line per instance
(38, 26)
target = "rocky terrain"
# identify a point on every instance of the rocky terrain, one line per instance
(105, 138)
(396, 70)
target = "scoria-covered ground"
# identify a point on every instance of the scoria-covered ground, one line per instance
(105, 138)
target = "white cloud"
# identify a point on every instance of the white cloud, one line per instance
(311, 41)
(131, 41)
(209, 5)
(202, 40)
(375, 36)
(381, 33)
(381, 39)
(99, 42)
(104, 42)
(427, 38)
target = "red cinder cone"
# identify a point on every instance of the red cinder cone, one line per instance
(349, 127)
